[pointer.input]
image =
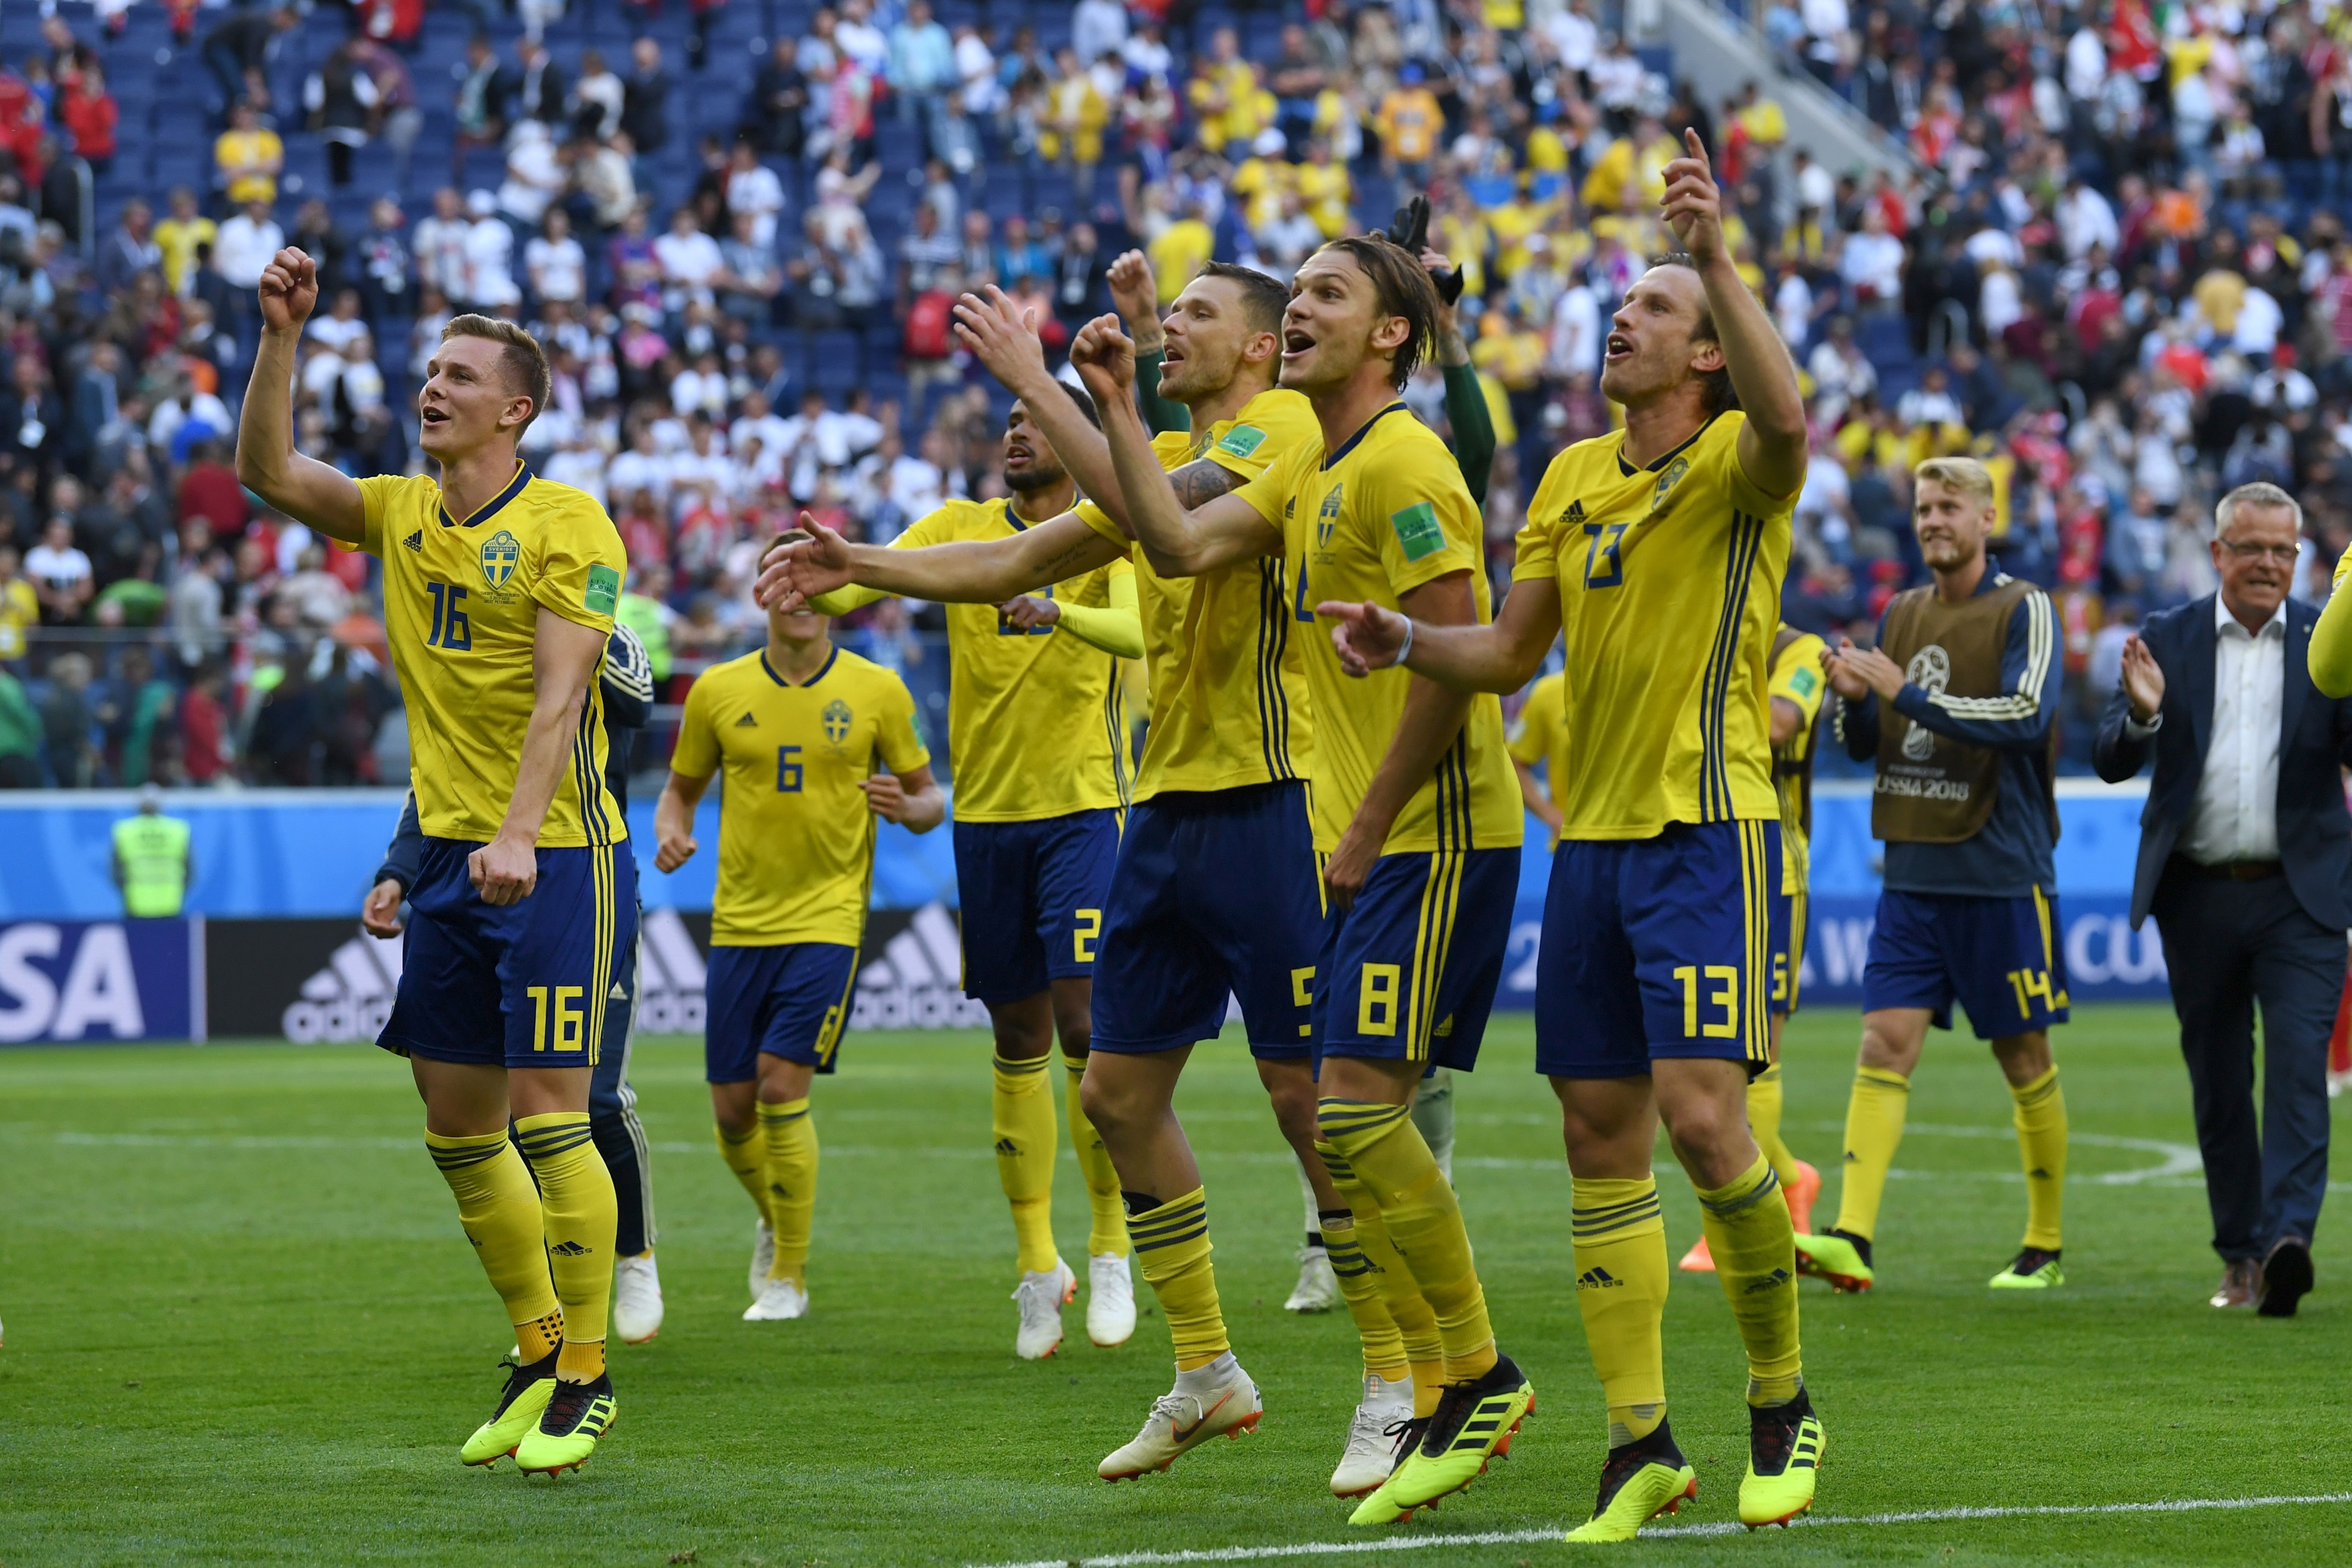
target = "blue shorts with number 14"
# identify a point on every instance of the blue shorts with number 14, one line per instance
(1659, 947)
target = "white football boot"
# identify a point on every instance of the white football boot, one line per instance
(1318, 1289)
(1041, 1297)
(636, 1299)
(1371, 1453)
(1110, 1301)
(763, 1256)
(1218, 1399)
(779, 1300)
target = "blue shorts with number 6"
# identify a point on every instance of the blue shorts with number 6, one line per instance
(1659, 947)
(1999, 956)
(1033, 895)
(1216, 895)
(790, 1001)
(522, 984)
(1409, 973)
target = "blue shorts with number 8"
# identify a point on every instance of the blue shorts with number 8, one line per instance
(1659, 947)
(1409, 973)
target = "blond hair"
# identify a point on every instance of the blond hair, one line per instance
(2259, 493)
(1964, 475)
(524, 361)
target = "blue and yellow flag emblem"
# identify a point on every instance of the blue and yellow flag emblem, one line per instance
(499, 553)
(837, 722)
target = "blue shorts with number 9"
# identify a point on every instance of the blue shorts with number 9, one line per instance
(523, 985)
(1409, 973)
(1999, 956)
(1659, 947)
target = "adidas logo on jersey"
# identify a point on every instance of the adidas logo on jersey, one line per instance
(1575, 513)
(415, 541)
(1598, 1279)
(747, 722)
(568, 1249)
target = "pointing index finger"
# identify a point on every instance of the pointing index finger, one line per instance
(1697, 147)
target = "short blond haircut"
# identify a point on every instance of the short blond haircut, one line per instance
(2260, 493)
(1964, 475)
(525, 361)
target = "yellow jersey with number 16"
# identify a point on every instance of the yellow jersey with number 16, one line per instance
(1669, 581)
(1381, 516)
(461, 603)
(1229, 703)
(796, 832)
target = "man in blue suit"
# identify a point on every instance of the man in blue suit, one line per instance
(2244, 854)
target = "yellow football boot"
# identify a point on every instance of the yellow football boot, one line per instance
(520, 1403)
(1784, 1458)
(577, 1414)
(1639, 1481)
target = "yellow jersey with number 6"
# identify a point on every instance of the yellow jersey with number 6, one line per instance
(461, 603)
(796, 832)
(1383, 515)
(1669, 580)
(1229, 703)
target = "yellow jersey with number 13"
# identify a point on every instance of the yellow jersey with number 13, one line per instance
(461, 603)
(1381, 516)
(1669, 581)
(1229, 703)
(795, 833)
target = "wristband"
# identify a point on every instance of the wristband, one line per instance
(1406, 651)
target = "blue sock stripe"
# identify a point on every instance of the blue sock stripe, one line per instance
(1740, 1202)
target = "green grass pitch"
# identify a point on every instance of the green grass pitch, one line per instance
(242, 1327)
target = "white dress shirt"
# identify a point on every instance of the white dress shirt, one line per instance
(2236, 813)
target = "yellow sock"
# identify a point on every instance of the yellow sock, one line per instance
(1386, 1153)
(2041, 1143)
(1021, 1117)
(1400, 1300)
(748, 1157)
(1620, 1236)
(1171, 1244)
(790, 1135)
(1106, 1230)
(1755, 1250)
(500, 1209)
(581, 1215)
(1764, 1117)
(1874, 1128)
(1359, 1283)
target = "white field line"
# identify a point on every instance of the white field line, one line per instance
(1387, 1543)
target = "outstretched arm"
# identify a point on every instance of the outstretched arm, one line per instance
(1773, 439)
(1003, 335)
(963, 571)
(1179, 542)
(313, 493)
(1498, 658)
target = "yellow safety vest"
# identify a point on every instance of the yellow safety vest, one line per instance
(154, 851)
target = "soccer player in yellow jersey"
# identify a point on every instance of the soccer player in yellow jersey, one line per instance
(1414, 808)
(1038, 736)
(817, 743)
(1541, 736)
(499, 590)
(1221, 785)
(1796, 689)
(1659, 551)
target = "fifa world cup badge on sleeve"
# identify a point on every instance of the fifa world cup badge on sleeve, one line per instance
(1418, 530)
(603, 590)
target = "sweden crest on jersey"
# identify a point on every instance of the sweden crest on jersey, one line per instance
(499, 553)
(837, 717)
(1327, 517)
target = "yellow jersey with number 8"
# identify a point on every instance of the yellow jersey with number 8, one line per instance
(461, 603)
(795, 831)
(1669, 581)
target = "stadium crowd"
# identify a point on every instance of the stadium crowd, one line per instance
(2118, 274)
